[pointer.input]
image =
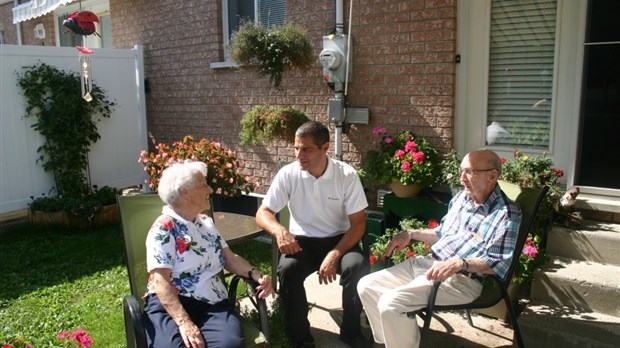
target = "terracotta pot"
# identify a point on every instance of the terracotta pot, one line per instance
(404, 191)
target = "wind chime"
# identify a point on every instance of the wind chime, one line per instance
(83, 23)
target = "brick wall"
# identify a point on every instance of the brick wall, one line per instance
(403, 72)
(27, 28)
(6, 19)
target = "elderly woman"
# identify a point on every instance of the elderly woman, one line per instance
(186, 303)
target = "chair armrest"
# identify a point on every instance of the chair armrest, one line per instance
(259, 304)
(134, 322)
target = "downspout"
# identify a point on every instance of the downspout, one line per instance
(18, 26)
(338, 88)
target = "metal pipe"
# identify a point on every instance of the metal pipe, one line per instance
(339, 16)
(18, 26)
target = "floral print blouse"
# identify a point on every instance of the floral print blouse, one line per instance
(192, 250)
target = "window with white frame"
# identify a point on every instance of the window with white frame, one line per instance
(265, 12)
(521, 68)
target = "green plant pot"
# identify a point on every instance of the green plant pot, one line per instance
(379, 265)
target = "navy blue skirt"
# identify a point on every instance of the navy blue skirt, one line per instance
(219, 323)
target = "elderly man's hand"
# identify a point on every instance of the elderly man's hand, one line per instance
(440, 271)
(398, 242)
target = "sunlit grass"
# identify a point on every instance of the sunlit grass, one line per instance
(59, 279)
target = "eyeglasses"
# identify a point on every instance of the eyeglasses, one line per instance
(471, 172)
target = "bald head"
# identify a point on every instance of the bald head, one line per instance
(486, 159)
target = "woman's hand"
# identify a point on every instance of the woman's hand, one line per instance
(191, 335)
(264, 288)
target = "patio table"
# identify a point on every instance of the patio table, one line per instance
(239, 228)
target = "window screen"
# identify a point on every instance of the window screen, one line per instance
(521, 57)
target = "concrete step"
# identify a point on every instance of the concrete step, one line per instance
(579, 285)
(563, 327)
(594, 241)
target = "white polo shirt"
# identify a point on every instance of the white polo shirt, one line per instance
(320, 207)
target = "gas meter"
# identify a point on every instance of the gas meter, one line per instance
(334, 59)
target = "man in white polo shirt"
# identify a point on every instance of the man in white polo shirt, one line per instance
(327, 202)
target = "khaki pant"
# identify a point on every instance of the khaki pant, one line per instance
(389, 294)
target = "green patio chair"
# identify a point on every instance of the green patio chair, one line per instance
(137, 214)
(495, 289)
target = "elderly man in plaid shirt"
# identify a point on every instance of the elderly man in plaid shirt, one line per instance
(476, 237)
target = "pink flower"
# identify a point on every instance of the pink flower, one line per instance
(419, 157)
(530, 251)
(410, 146)
(167, 224)
(85, 341)
(387, 140)
(400, 153)
(378, 130)
(78, 333)
(63, 334)
(406, 166)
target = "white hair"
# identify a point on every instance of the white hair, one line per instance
(179, 175)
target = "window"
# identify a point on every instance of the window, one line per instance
(521, 67)
(266, 12)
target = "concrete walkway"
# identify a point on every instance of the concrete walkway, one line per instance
(449, 329)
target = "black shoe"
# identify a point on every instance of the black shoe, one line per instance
(356, 342)
(306, 343)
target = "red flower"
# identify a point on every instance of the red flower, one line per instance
(182, 244)
(167, 224)
(432, 223)
(372, 259)
(410, 253)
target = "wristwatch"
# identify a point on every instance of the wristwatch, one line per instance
(465, 266)
(250, 273)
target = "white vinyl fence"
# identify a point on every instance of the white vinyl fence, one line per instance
(113, 159)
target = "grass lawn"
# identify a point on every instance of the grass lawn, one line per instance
(58, 279)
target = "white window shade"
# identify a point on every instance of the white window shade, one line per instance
(35, 8)
(521, 69)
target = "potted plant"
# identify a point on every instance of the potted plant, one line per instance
(403, 159)
(95, 208)
(67, 123)
(535, 172)
(271, 50)
(266, 123)
(224, 168)
(451, 171)
(378, 248)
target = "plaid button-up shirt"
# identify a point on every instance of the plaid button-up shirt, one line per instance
(488, 231)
